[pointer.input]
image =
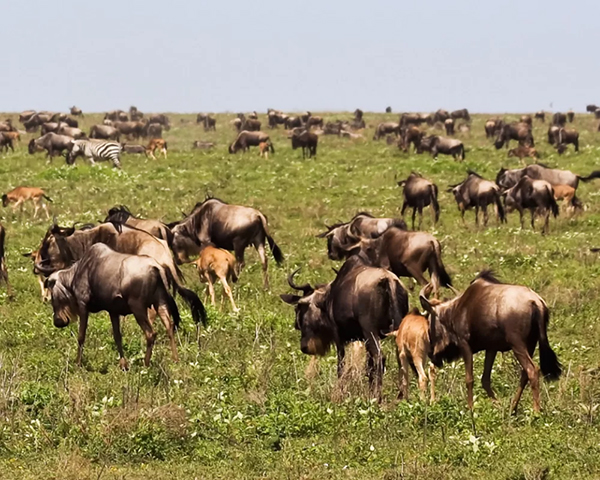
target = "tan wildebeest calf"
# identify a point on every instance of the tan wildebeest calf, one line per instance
(156, 144)
(263, 149)
(20, 195)
(217, 263)
(412, 350)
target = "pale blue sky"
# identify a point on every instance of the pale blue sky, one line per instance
(189, 56)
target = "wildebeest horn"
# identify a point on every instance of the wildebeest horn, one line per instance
(454, 290)
(306, 288)
(45, 270)
(424, 297)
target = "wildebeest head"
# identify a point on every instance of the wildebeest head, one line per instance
(73, 152)
(63, 301)
(339, 240)
(53, 254)
(312, 321)
(508, 178)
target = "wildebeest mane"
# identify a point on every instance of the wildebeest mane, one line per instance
(363, 214)
(543, 165)
(488, 276)
(119, 213)
(471, 172)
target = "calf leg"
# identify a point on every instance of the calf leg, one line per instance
(227, 291)
(36, 206)
(432, 382)
(403, 368)
(115, 320)
(165, 316)
(477, 215)
(260, 248)
(486, 382)
(532, 211)
(420, 367)
(211, 288)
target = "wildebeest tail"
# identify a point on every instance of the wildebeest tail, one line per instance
(171, 304)
(462, 152)
(433, 192)
(591, 176)
(272, 148)
(551, 367)
(277, 254)
(576, 203)
(437, 267)
(398, 299)
(193, 301)
(553, 204)
(47, 197)
(500, 208)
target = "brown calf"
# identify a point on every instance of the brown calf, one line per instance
(156, 144)
(523, 151)
(412, 350)
(20, 195)
(263, 149)
(217, 263)
(568, 194)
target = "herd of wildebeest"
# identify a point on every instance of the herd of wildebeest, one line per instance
(127, 265)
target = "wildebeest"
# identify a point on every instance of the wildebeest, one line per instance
(76, 112)
(449, 126)
(552, 132)
(200, 145)
(26, 115)
(154, 130)
(413, 349)
(116, 115)
(7, 126)
(570, 116)
(232, 227)
(559, 119)
(538, 171)
(591, 108)
(217, 264)
(407, 119)
(207, 121)
(6, 141)
(386, 128)
(162, 119)
(18, 196)
(120, 284)
(305, 139)
(133, 148)
(61, 247)
(104, 132)
(314, 121)
(514, 131)
(527, 120)
(388, 109)
(52, 143)
(130, 129)
(407, 254)
(357, 122)
(523, 151)
(494, 317)
(341, 236)
(410, 134)
(446, 146)
(292, 122)
(541, 115)
(247, 139)
(3, 268)
(563, 137)
(71, 132)
(462, 113)
(476, 192)
(537, 196)
(418, 193)
(493, 126)
(156, 144)
(134, 114)
(363, 303)
(441, 116)
(51, 127)
(36, 120)
(248, 124)
(120, 214)
(275, 118)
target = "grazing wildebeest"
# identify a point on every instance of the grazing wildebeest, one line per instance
(514, 131)
(494, 317)
(523, 151)
(493, 126)
(131, 129)
(7, 141)
(334, 128)
(248, 124)
(133, 148)
(71, 132)
(51, 127)
(26, 115)
(363, 224)
(275, 118)
(52, 143)
(217, 264)
(61, 247)
(410, 134)
(247, 139)
(76, 112)
(104, 132)
(541, 115)
(162, 119)
(208, 122)
(386, 128)
(407, 119)
(314, 121)
(407, 254)
(419, 193)
(3, 268)
(476, 192)
(537, 196)
(154, 130)
(200, 145)
(71, 122)
(449, 126)
(441, 116)
(292, 122)
(462, 113)
(527, 120)
(363, 303)
(563, 137)
(305, 139)
(232, 227)
(36, 120)
(446, 146)
(116, 115)
(559, 119)
(120, 284)
(591, 108)
(413, 349)
(120, 214)
(538, 171)
(18, 196)
(570, 116)
(134, 114)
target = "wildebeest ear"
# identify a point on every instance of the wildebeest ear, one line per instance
(402, 183)
(27, 254)
(290, 299)
(425, 304)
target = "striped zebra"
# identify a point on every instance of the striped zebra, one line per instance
(95, 150)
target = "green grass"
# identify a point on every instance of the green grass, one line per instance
(248, 404)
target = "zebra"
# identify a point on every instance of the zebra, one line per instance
(95, 150)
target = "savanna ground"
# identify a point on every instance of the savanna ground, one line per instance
(248, 404)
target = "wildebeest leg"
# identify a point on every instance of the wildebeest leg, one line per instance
(432, 382)
(341, 353)
(413, 217)
(238, 248)
(522, 384)
(546, 222)
(485, 215)
(532, 373)
(467, 355)
(227, 290)
(260, 248)
(521, 219)
(486, 380)
(532, 211)
(83, 321)
(141, 316)
(375, 360)
(115, 320)
(420, 208)
(163, 312)
(476, 214)
(404, 207)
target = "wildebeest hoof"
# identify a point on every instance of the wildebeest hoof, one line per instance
(124, 364)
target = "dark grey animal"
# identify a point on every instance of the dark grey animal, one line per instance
(208, 122)
(476, 192)
(462, 113)
(508, 178)
(541, 115)
(71, 132)
(53, 143)
(559, 119)
(591, 108)
(104, 132)
(441, 116)
(520, 132)
(247, 139)
(419, 193)
(203, 145)
(154, 130)
(6, 141)
(76, 112)
(363, 303)
(162, 119)
(494, 317)
(232, 227)
(449, 126)
(537, 196)
(447, 146)
(493, 127)
(293, 122)
(120, 214)
(305, 139)
(563, 137)
(386, 128)
(570, 116)
(116, 115)
(133, 149)
(120, 284)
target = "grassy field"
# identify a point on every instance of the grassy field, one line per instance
(248, 404)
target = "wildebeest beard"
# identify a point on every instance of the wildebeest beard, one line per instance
(63, 301)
